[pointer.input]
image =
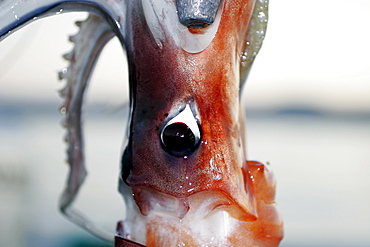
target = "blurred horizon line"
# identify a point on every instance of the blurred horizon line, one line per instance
(44, 107)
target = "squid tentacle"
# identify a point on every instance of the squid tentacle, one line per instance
(93, 35)
(256, 35)
(95, 32)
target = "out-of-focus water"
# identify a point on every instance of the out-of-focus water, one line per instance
(321, 162)
(322, 167)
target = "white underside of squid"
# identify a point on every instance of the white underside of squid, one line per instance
(162, 19)
(206, 225)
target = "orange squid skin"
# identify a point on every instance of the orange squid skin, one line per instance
(162, 78)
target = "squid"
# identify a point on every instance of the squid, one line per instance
(185, 178)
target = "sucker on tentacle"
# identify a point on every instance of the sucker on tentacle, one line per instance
(92, 36)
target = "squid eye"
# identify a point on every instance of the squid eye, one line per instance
(178, 137)
(181, 135)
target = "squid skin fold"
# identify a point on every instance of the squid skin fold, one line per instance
(185, 178)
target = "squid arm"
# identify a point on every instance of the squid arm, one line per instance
(15, 14)
(93, 35)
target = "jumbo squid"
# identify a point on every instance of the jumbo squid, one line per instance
(185, 179)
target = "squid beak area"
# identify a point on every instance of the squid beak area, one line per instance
(207, 217)
(196, 207)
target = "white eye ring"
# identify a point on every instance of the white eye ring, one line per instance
(181, 135)
(187, 117)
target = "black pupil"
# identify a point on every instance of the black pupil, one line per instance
(178, 137)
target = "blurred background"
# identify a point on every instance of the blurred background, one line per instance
(308, 114)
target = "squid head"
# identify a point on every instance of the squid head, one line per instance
(185, 178)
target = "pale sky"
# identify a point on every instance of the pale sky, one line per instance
(316, 53)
